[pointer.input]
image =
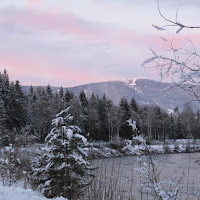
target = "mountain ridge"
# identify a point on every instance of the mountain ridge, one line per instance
(145, 91)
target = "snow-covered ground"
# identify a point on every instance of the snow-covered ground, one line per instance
(128, 147)
(18, 193)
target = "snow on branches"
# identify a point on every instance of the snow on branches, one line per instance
(132, 124)
(181, 64)
(149, 179)
(10, 165)
(173, 23)
(63, 170)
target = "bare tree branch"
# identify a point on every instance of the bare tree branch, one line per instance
(174, 23)
(181, 64)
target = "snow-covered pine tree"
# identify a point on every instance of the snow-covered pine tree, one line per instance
(4, 84)
(16, 108)
(65, 172)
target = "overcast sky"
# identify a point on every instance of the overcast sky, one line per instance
(72, 42)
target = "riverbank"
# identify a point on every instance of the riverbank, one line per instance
(128, 147)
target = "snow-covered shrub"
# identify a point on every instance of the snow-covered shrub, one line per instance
(10, 165)
(63, 171)
(25, 137)
(176, 148)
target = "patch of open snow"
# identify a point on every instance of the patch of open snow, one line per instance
(143, 102)
(86, 92)
(138, 90)
(170, 111)
(157, 148)
(182, 148)
(132, 81)
(18, 193)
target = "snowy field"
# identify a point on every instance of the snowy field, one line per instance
(18, 193)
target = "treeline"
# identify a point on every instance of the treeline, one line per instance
(27, 117)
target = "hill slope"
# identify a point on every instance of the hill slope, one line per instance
(145, 92)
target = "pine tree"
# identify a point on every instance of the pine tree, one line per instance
(68, 97)
(31, 103)
(43, 114)
(103, 119)
(17, 107)
(93, 118)
(134, 105)
(83, 99)
(49, 92)
(180, 134)
(65, 171)
(4, 107)
(61, 92)
(76, 111)
(125, 130)
(2, 111)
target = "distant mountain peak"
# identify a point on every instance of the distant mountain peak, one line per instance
(145, 91)
(131, 82)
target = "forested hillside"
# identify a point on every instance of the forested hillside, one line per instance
(26, 117)
(145, 91)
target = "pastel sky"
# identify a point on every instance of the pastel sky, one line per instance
(72, 42)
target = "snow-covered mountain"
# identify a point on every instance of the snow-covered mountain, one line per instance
(145, 92)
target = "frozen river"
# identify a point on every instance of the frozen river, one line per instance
(116, 178)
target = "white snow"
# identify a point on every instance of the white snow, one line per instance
(138, 90)
(132, 81)
(69, 133)
(132, 124)
(58, 120)
(63, 111)
(18, 193)
(170, 111)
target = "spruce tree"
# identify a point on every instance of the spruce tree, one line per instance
(68, 97)
(49, 92)
(17, 107)
(83, 99)
(43, 114)
(134, 105)
(125, 129)
(61, 92)
(65, 171)
(180, 134)
(2, 111)
(103, 119)
(93, 118)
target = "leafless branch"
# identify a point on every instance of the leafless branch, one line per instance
(175, 22)
(181, 65)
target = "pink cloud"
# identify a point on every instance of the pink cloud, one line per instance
(42, 72)
(28, 68)
(40, 21)
(33, 3)
(69, 23)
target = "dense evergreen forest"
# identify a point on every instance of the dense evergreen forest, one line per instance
(26, 118)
